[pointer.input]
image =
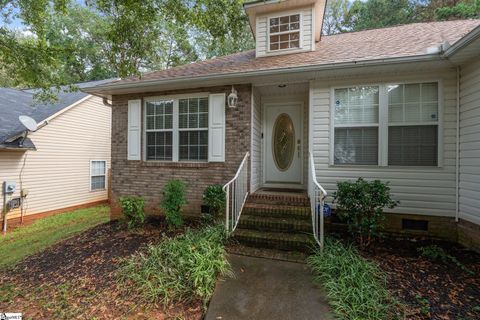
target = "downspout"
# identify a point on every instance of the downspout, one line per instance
(457, 152)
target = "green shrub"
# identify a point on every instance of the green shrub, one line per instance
(355, 287)
(184, 268)
(361, 205)
(173, 200)
(133, 208)
(214, 198)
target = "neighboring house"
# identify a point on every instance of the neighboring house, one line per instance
(379, 104)
(65, 163)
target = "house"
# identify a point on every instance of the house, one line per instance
(303, 111)
(61, 166)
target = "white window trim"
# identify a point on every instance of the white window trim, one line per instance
(104, 175)
(175, 128)
(384, 124)
(285, 14)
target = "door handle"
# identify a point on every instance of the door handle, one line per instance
(299, 147)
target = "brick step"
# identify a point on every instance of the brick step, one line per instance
(289, 199)
(276, 240)
(277, 211)
(275, 224)
(292, 256)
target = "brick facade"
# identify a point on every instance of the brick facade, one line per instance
(147, 178)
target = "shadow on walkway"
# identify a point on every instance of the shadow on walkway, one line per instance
(267, 289)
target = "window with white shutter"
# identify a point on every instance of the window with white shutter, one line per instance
(185, 128)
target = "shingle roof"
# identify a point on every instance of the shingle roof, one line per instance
(14, 103)
(393, 42)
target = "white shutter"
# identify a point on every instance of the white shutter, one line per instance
(134, 129)
(216, 128)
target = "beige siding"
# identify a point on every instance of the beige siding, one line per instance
(256, 156)
(470, 143)
(57, 175)
(429, 190)
(306, 33)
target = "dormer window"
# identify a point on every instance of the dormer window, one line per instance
(284, 32)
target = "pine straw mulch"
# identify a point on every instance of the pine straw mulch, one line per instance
(430, 289)
(75, 279)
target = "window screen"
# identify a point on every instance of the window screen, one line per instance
(356, 125)
(98, 175)
(284, 32)
(413, 124)
(193, 129)
(159, 130)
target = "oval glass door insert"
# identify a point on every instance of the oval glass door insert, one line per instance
(283, 143)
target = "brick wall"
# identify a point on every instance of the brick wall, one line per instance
(147, 179)
(469, 234)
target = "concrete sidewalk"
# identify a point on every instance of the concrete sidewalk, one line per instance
(267, 289)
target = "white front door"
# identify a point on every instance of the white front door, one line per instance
(283, 144)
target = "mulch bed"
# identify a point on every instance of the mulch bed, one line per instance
(76, 278)
(430, 289)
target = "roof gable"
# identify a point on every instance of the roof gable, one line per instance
(14, 102)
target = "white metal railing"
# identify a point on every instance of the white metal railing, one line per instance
(317, 195)
(236, 191)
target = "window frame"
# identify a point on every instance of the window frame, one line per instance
(383, 122)
(300, 30)
(175, 125)
(104, 175)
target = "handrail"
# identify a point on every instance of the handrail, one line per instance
(236, 193)
(317, 196)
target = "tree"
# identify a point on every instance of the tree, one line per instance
(68, 42)
(461, 10)
(334, 20)
(374, 14)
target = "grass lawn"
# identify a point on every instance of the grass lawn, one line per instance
(43, 233)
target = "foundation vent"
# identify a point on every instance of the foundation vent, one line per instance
(418, 225)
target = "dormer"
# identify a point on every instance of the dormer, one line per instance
(285, 26)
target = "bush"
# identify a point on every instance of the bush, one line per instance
(133, 210)
(214, 198)
(184, 268)
(355, 287)
(361, 205)
(173, 200)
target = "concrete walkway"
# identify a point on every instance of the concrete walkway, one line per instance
(267, 289)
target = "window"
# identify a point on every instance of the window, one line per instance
(159, 128)
(98, 171)
(397, 125)
(177, 129)
(356, 125)
(284, 32)
(193, 127)
(413, 124)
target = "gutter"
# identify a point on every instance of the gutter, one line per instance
(457, 152)
(239, 74)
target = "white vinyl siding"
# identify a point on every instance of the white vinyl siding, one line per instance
(470, 143)
(256, 157)
(306, 32)
(57, 175)
(420, 190)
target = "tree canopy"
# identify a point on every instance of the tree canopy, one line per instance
(48, 43)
